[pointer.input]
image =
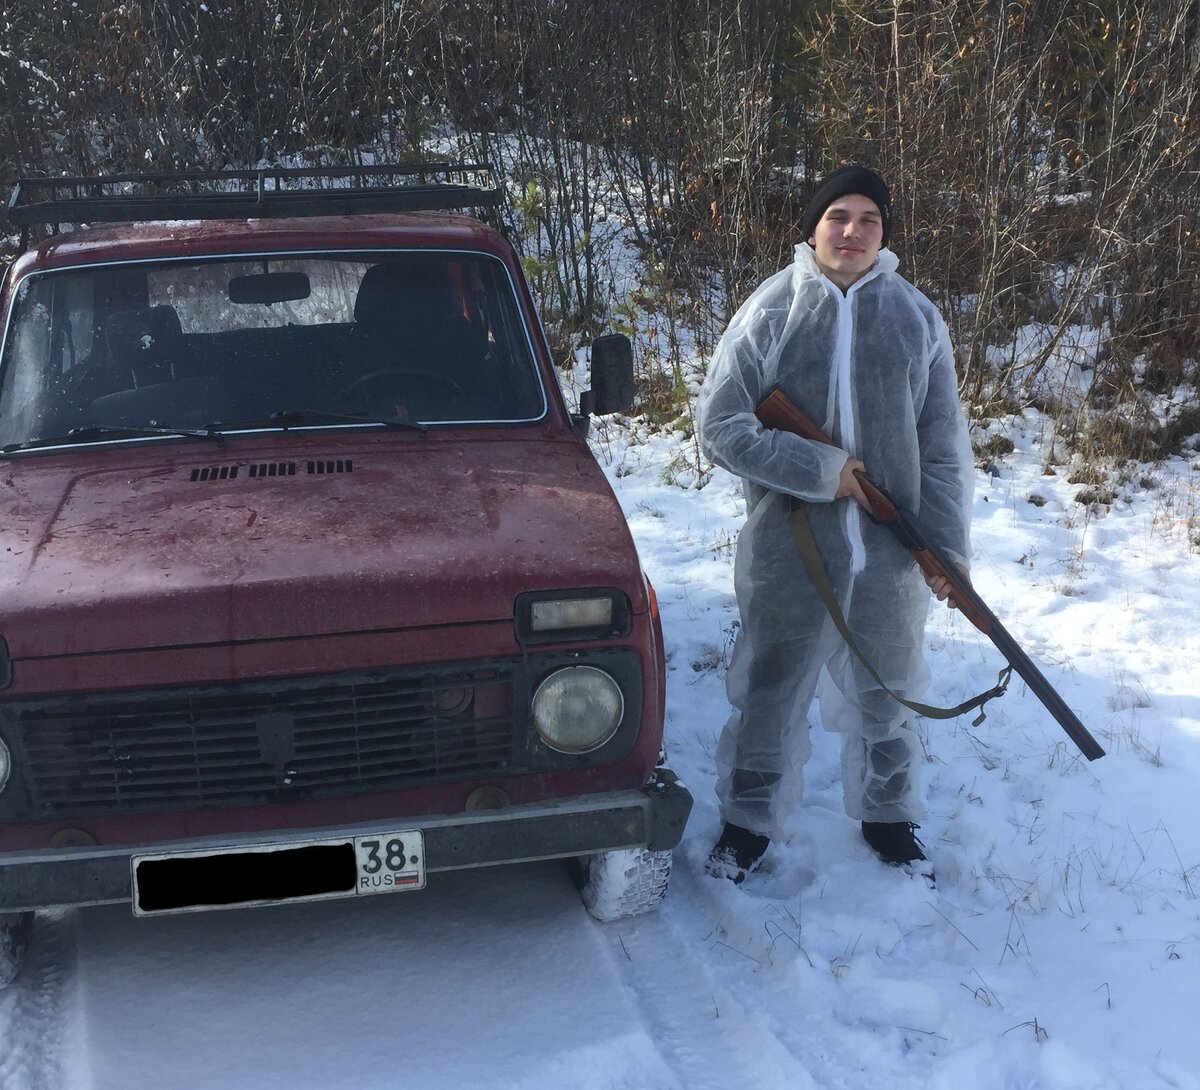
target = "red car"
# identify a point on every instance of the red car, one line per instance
(310, 586)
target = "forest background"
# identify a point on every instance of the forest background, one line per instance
(658, 154)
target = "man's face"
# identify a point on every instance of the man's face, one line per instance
(847, 238)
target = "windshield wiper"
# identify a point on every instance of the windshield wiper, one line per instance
(300, 417)
(92, 433)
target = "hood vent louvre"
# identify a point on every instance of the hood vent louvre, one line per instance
(215, 473)
(341, 465)
(273, 469)
(258, 470)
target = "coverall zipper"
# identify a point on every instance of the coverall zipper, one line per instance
(845, 401)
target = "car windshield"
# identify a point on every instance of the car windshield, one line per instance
(428, 337)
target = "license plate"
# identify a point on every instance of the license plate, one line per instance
(314, 870)
(390, 862)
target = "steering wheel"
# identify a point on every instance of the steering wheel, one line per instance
(394, 385)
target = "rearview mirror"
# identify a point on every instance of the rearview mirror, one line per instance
(269, 287)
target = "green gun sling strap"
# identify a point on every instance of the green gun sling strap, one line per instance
(806, 545)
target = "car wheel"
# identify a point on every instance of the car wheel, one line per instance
(16, 930)
(617, 885)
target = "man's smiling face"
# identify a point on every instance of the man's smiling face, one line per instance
(848, 238)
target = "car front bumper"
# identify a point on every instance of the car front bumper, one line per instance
(652, 817)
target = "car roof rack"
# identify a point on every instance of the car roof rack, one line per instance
(247, 194)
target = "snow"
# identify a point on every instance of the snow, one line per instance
(1059, 949)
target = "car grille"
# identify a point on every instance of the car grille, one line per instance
(236, 745)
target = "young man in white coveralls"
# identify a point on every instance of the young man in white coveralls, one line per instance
(868, 358)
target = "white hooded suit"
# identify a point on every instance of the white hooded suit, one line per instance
(874, 368)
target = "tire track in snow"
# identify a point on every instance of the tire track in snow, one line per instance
(33, 1009)
(709, 1039)
(491, 978)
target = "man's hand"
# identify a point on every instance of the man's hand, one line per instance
(848, 483)
(940, 585)
(850, 486)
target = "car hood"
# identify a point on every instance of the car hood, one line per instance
(165, 545)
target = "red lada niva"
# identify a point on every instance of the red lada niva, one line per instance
(310, 586)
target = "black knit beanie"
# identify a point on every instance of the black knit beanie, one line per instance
(851, 179)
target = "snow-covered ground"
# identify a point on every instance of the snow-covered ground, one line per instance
(1060, 949)
(1061, 946)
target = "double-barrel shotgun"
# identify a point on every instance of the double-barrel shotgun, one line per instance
(778, 411)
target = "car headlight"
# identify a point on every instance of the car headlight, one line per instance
(5, 764)
(577, 709)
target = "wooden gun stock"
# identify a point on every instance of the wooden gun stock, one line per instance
(779, 412)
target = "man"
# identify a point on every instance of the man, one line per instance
(865, 354)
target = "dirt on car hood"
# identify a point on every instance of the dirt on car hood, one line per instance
(165, 545)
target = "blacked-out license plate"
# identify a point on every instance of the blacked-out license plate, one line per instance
(271, 873)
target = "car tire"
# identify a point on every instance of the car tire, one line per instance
(16, 931)
(619, 884)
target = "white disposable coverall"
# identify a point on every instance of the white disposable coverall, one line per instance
(874, 368)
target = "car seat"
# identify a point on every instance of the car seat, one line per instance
(408, 316)
(148, 351)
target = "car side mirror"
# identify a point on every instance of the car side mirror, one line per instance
(612, 375)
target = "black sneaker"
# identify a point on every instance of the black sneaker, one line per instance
(894, 842)
(736, 853)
